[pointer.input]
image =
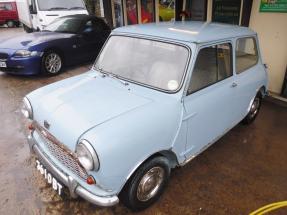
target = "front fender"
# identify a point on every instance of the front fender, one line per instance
(125, 142)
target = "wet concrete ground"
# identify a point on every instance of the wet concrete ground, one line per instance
(243, 171)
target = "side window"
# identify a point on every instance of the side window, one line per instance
(93, 26)
(88, 27)
(8, 7)
(2, 7)
(34, 8)
(212, 65)
(246, 54)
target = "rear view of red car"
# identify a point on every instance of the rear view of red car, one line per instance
(9, 13)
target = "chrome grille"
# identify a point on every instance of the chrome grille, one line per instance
(61, 153)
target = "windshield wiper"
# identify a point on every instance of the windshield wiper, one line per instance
(58, 8)
(76, 8)
(111, 75)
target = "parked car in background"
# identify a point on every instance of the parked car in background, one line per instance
(67, 41)
(9, 13)
(37, 14)
(157, 96)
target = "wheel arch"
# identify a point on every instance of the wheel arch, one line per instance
(58, 50)
(168, 154)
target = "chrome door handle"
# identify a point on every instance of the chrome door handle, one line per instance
(234, 85)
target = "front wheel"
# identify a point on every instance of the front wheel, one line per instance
(147, 184)
(254, 110)
(51, 63)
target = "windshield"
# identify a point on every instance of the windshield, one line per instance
(61, 5)
(64, 25)
(157, 64)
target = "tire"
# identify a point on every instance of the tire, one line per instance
(52, 63)
(156, 170)
(27, 29)
(254, 110)
(10, 24)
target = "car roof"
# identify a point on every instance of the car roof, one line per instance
(189, 31)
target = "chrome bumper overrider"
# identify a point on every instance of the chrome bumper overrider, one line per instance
(74, 187)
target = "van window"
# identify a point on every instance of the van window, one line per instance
(213, 64)
(246, 54)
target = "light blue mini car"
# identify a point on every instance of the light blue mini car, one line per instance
(157, 96)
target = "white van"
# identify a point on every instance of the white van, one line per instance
(36, 14)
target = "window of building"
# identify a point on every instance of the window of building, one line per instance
(246, 54)
(117, 12)
(132, 12)
(166, 10)
(194, 10)
(213, 64)
(226, 11)
(147, 11)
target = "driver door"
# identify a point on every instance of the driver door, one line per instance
(209, 103)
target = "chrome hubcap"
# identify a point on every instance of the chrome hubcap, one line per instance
(254, 107)
(53, 63)
(150, 184)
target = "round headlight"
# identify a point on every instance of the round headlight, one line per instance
(26, 108)
(87, 156)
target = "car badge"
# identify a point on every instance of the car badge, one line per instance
(46, 124)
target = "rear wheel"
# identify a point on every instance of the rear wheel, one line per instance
(254, 110)
(51, 63)
(147, 184)
(10, 24)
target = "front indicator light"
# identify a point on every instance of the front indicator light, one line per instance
(91, 180)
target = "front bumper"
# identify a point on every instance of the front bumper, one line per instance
(72, 184)
(22, 66)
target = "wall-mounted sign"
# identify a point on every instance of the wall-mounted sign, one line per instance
(226, 11)
(278, 6)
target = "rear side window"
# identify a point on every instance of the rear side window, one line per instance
(213, 64)
(246, 54)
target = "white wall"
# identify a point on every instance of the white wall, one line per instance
(272, 33)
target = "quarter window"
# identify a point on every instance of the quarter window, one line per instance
(213, 64)
(246, 54)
